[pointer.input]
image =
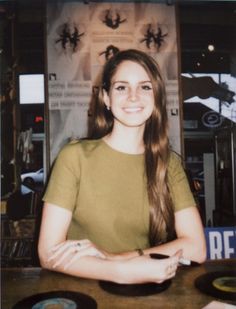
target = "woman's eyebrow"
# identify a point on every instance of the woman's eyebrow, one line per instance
(120, 81)
(126, 82)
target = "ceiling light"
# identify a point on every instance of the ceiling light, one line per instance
(211, 47)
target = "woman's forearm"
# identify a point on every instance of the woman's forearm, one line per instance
(192, 250)
(134, 270)
(89, 267)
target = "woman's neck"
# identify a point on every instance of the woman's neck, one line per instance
(128, 141)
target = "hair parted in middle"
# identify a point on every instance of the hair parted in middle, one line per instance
(156, 141)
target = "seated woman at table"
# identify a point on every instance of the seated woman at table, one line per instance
(114, 199)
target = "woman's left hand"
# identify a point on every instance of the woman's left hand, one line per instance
(70, 250)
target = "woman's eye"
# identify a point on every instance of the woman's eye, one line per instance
(120, 88)
(146, 87)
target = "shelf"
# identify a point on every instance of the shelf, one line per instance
(18, 245)
(17, 248)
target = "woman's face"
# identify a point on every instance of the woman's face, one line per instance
(130, 97)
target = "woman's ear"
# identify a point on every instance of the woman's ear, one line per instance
(106, 99)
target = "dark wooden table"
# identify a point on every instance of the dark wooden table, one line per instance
(18, 283)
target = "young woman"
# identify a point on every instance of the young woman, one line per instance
(114, 199)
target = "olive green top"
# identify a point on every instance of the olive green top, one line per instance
(106, 191)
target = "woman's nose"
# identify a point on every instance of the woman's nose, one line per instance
(133, 94)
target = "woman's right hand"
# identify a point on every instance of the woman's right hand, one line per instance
(145, 269)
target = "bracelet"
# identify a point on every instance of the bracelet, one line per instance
(140, 251)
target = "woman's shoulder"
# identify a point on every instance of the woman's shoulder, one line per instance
(79, 146)
(175, 163)
(175, 159)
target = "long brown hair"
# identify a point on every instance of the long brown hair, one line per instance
(157, 151)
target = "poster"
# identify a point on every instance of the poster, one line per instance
(221, 242)
(81, 37)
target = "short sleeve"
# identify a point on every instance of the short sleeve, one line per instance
(180, 191)
(64, 179)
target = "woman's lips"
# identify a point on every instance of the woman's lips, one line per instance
(132, 109)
